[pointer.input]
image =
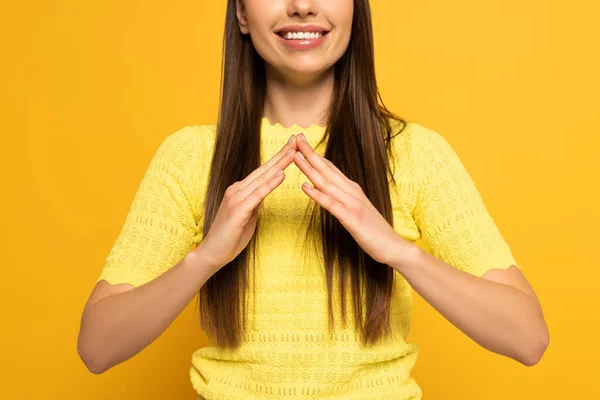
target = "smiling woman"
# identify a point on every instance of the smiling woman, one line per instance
(300, 104)
(261, 23)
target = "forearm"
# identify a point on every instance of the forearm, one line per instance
(119, 326)
(499, 317)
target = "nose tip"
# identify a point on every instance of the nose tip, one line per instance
(302, 7)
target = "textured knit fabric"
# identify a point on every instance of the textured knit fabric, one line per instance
(287, 352)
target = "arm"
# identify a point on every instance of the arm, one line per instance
(151, 273)
(117, 327)
(498, 310)
(466, 270)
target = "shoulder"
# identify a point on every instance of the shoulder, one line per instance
(415, 136)
(422, 145)
(205, 136)
(187, 143)
(205, 132)
(414, 140)
(427, 142)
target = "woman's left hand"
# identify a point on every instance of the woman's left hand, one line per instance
(345, 199)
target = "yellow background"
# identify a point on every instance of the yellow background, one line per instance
(90, 89)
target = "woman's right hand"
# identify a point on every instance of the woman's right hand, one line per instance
(236, 217)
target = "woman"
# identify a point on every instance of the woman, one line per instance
(391, 208)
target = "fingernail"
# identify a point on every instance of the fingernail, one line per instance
(291, 138)
(302, 137)
(301, 156)
(288, 152)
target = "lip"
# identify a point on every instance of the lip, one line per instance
(303, 44)
(301, 28)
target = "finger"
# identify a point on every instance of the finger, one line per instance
(269, 174)
(337, 170)
(325, 167)
(329, 188)
(253, 200)
(336, 208)
(291, 144)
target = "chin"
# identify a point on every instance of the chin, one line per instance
(301, 72)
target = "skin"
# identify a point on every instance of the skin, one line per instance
(499, 310)
(299, 83)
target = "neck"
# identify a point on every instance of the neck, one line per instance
(299, 103)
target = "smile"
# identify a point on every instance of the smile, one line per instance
(302, 40)
(301, 35)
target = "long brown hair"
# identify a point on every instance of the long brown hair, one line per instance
(359, 130)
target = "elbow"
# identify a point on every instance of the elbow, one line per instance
(531, 354)
(92, 363)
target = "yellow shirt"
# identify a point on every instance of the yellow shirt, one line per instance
(287, 351)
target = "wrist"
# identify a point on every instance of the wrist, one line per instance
(405, 255)
(201, 257)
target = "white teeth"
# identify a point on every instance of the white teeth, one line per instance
(302, 35)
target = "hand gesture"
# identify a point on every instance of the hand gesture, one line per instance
(345, 200)
(235, 221)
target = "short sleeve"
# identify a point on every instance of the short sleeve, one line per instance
(453, 221)
(161, 224)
